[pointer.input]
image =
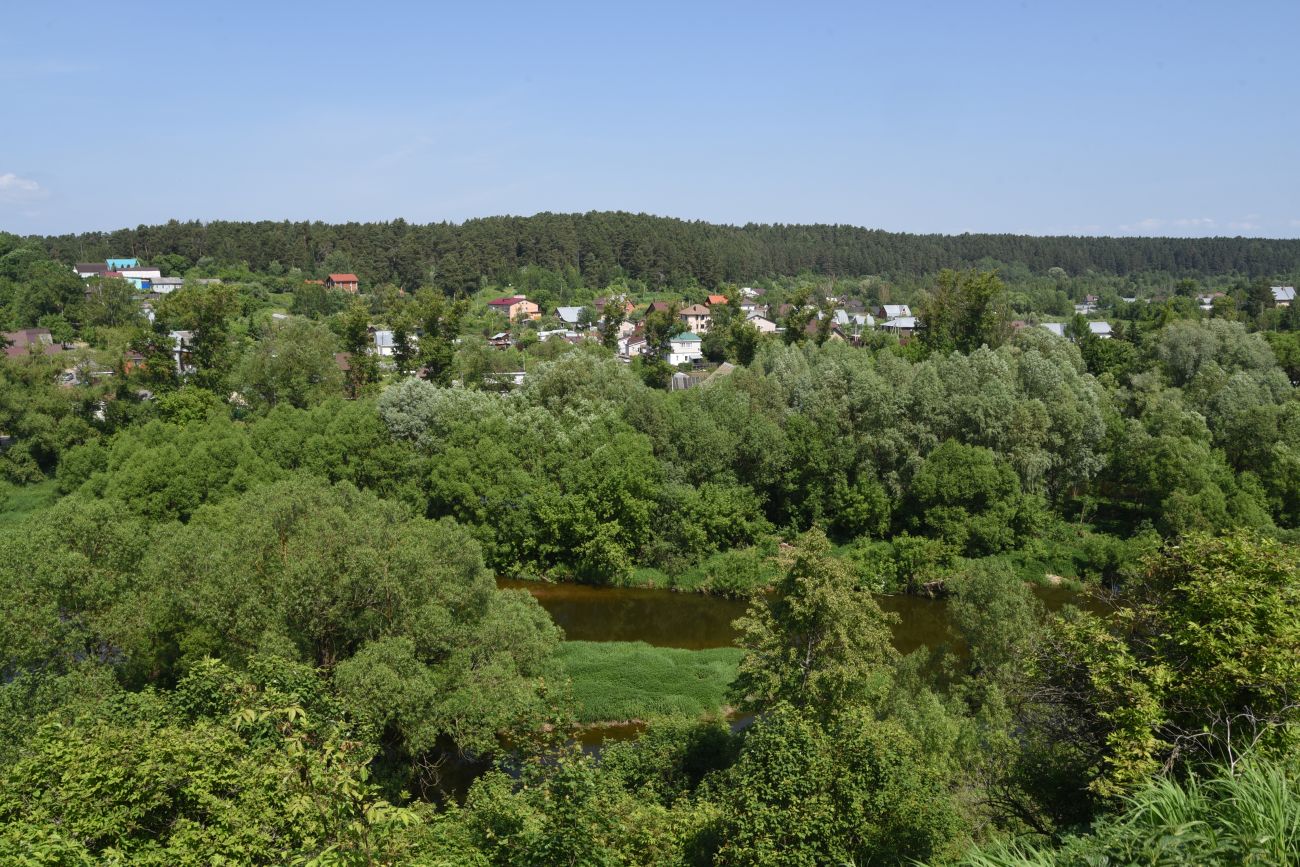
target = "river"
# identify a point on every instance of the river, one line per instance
(694, 621)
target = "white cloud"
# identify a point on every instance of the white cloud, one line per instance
(14, 188)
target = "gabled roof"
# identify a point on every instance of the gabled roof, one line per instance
(1283, 293)
(716, 299)
(695, 310)
(508, 301)
(571, 315)
(343, 278)
(658, 305)
(901, 322)
(1057, 328)
(896, 311)
(1099, 328)
(90, 268)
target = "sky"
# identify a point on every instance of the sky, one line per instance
(1099, 118)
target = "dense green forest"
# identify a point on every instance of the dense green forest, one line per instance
(251, 607)
(660, 251)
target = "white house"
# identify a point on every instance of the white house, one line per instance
(141, 278)
(166, 285)
(894, 311)
(685, 349)
(1100, 329)
(632, 343)
(854, 323)
(902, 326)
(1283, 295)
(761, 322)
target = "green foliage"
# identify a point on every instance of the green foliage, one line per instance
(965, 310)
(817, 641)
(859, 791)
(292, 364)
(252, 778)
(1249, 814)
(616, 681)
(971, 500)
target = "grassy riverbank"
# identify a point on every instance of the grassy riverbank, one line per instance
(623, 680)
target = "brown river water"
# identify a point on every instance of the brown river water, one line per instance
(666, 618)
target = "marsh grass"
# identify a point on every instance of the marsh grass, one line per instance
(630, 680)
(1251, 817)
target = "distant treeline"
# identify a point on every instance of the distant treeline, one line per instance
(602, 246)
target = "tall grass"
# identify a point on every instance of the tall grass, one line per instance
(1250, 817)
(19, 501)
(625, 680)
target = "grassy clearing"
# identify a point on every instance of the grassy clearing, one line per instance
(623, 680)
(17, 502)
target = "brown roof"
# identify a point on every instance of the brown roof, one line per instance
(92, 267)
(695, 310)
(716, 299)
(343, 278)
(20, 342)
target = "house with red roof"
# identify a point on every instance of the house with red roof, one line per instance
(516, 307)
(344, 282)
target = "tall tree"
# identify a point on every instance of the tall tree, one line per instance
(818, 641)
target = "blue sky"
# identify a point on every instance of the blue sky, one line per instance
(1042, 117)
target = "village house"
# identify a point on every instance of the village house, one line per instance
(86, 270)
(685, 349)
(140, 277)
(166, 285)
(854, 323)
(1283, 295)
(384, 345)
(716, 301)
(516, 307)
(632, 344)
(343, 282)
(902, 327)
(696, 318)
(761, 322)
(30, 341)
(182, 355)
(893, 311)
(569, 315)
(600, 303)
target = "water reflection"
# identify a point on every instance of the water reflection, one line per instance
(693, 621)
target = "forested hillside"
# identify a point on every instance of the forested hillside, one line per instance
(601, 246)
